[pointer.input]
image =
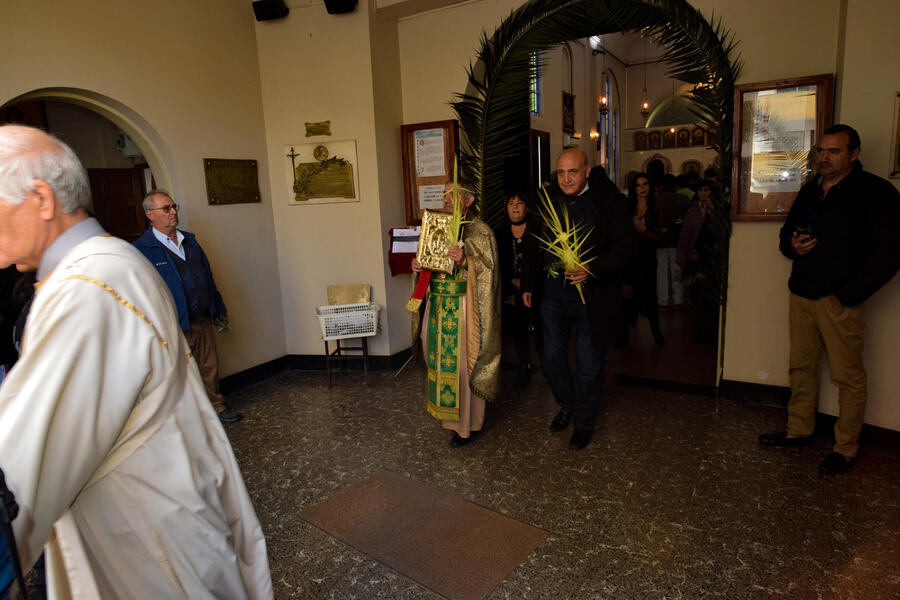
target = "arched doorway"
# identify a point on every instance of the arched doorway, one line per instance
(494, 111)
(114, 211)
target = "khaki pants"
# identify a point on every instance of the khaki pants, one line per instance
(202, 340)
(816, 324)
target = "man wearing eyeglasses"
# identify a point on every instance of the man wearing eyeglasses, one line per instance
(184, 267)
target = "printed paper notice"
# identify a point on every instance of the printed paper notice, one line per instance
(431, 197)
(430, 153)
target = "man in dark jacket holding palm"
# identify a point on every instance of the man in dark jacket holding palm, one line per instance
(596, 206)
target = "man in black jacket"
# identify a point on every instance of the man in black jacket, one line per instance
(841, 236)
(611, 248)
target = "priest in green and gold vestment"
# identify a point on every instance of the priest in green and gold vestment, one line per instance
(461, 328)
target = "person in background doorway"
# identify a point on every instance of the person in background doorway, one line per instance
(517, 243)
(640, 278)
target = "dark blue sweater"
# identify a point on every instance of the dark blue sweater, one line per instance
(157, 254)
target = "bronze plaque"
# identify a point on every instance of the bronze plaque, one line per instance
(433, 242)
(321, 128)
(231, 181)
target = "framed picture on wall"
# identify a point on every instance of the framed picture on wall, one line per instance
(776, 126)
(568, 113)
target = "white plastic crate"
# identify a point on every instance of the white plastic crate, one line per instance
(341, 321)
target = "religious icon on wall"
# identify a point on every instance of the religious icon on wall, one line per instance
(692, 166)
(683, 138)
(698, 137)
(640, 140)
(668, 139)
(654, 140)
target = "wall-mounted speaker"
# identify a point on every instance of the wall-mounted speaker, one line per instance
(338, 7)
(267, 10)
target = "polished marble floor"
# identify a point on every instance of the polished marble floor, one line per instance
(674, 498)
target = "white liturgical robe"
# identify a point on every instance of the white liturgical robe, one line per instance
(112, 449)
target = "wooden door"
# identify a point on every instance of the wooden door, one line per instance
(117, 201)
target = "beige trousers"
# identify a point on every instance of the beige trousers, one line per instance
(202, 340)
(816, 325)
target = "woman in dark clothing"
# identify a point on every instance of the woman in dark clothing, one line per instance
(519, 250)
(641, 277)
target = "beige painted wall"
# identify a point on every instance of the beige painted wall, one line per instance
(388, 120)
(197, 86)
(307, 77)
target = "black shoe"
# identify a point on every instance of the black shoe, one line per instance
(522, 377)
(230, 416)
(581, 438)
(780, 438)
(457, 441)
(560, 421)
(835, 464)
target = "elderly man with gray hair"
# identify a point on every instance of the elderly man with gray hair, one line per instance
(117, 460)
(183, 265)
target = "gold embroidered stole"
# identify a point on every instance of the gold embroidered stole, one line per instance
(444, 336)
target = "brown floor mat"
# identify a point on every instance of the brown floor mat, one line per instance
(453, 547)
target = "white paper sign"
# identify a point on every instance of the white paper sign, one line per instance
(405, 239)
(431, 197)
(430, 153)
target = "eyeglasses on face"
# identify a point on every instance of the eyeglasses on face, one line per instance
(166, 208)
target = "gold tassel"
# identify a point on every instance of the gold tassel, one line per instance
(413, 304)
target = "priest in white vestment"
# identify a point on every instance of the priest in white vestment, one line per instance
(121, 469)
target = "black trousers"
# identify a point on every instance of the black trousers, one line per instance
(578, 393)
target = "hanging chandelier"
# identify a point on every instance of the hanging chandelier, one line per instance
(604, 101)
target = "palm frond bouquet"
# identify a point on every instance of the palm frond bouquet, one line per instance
(456, 219)
(563, 240)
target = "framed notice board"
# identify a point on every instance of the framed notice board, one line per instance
(429, 150)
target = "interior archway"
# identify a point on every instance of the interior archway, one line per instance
(138, 129)
(494, 111)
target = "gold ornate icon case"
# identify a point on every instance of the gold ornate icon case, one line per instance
(433, 242)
